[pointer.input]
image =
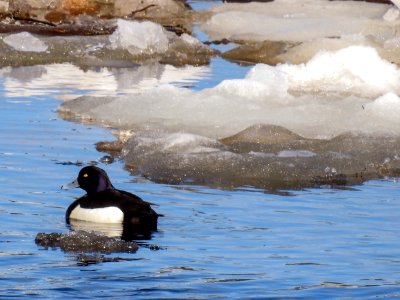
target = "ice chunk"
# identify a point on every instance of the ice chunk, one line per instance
(24, 41)
(139, 37)
(241, 87)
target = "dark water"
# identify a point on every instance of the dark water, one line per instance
(243, 243)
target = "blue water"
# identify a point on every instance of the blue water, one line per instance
(243, 243)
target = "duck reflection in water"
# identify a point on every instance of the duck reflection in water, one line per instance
(108, 210)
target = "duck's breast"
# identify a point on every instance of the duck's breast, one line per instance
(110, 214)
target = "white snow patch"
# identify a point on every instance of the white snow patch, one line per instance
(355, 69)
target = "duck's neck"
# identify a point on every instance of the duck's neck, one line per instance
(96, 192)
(103, 184)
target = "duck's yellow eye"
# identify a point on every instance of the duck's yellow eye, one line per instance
(85, 175)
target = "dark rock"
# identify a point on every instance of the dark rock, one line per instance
(82, 241)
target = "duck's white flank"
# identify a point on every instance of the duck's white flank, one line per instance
(110, 214)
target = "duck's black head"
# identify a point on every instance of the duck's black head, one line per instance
(93, 179)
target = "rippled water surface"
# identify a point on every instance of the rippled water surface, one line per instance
(242, 243)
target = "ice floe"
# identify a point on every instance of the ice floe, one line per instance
(279, 126)
(292, 31)
(264, 156)
(291, 20)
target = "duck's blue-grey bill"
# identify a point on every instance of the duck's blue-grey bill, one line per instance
(71, 185)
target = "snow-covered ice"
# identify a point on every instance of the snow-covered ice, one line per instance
(325, 97)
